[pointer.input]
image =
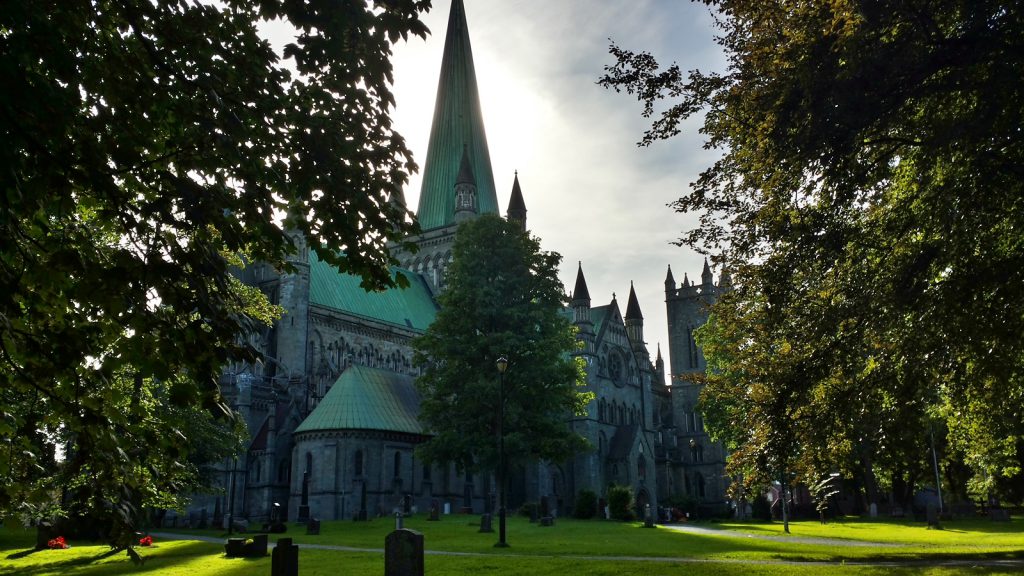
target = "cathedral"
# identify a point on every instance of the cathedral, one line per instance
(332, 409)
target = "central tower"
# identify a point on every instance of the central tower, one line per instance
(457, 126)
(458, 183)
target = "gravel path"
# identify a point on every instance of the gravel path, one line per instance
(660, 559)
(705, 531)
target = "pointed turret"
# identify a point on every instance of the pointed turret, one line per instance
(634, 320)
(580, 293)
(670, 281)
(458, 123)
(581, 311)
(725, 279)
(633, 307)
(706, 277)
(516, 205)
(465, 190)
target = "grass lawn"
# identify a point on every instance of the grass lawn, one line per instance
(576, 547)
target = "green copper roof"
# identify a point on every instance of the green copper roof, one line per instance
(367, 399)
(412, 307)
(458, 123)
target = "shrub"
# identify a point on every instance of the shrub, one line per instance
(527, 509)
(620, 503)
(586, 505)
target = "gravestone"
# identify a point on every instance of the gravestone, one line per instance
(648, 517)
(284, 561)
(407, 504)
(435, 510)
(932, 514)
(999, 514)
(403, 553)
(897, 512)
(399, 524)
(547, 521)
(873, 510)
(234, 547)
(313, 527)
(485, 523)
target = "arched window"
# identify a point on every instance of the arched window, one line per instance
(398, 464)
(309, 463)
(358, 463)
(282, 471)
(641, 467)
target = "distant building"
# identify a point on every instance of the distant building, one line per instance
(333, 408)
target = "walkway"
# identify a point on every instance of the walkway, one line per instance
(1013, 563)
(705, 531)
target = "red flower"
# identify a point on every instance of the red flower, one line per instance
(146, 541)
(57, 543)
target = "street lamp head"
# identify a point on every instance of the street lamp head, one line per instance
(693, 443)
(502, 364)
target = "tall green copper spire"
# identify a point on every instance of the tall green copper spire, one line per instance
(458, 124)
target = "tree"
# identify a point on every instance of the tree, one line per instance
(868, 202)
(503, 299)
(147, 147)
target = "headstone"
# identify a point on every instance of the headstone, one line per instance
(313, 527)
(485, 523)
(999, 514)
(403, 553)
(398, 521)
(407, 504)
(284, 561)
(933, 516)
(547, 521)
(607, 512)
(303, 513)
(44, 533)
(447, 508)
(240, 524)
(897, 512)
(234, 547)
(873, 510)
(435, 510)
(648, 517)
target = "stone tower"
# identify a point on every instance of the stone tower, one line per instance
(698, 469)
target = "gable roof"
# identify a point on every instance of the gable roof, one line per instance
(366, 398)
(413, 307)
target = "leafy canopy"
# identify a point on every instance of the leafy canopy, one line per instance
(147, 147)
(503, 299)
(869, 201)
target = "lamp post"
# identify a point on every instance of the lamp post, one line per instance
(502, 364)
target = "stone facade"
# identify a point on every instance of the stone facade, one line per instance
(690, 463)
(314, 453)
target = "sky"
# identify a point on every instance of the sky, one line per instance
(592, 195)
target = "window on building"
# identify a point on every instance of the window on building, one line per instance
(398, 464)
(358, 463)
(641, 467)
(426, 472)
(309, 463)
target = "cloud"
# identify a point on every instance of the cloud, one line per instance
(592, 194)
